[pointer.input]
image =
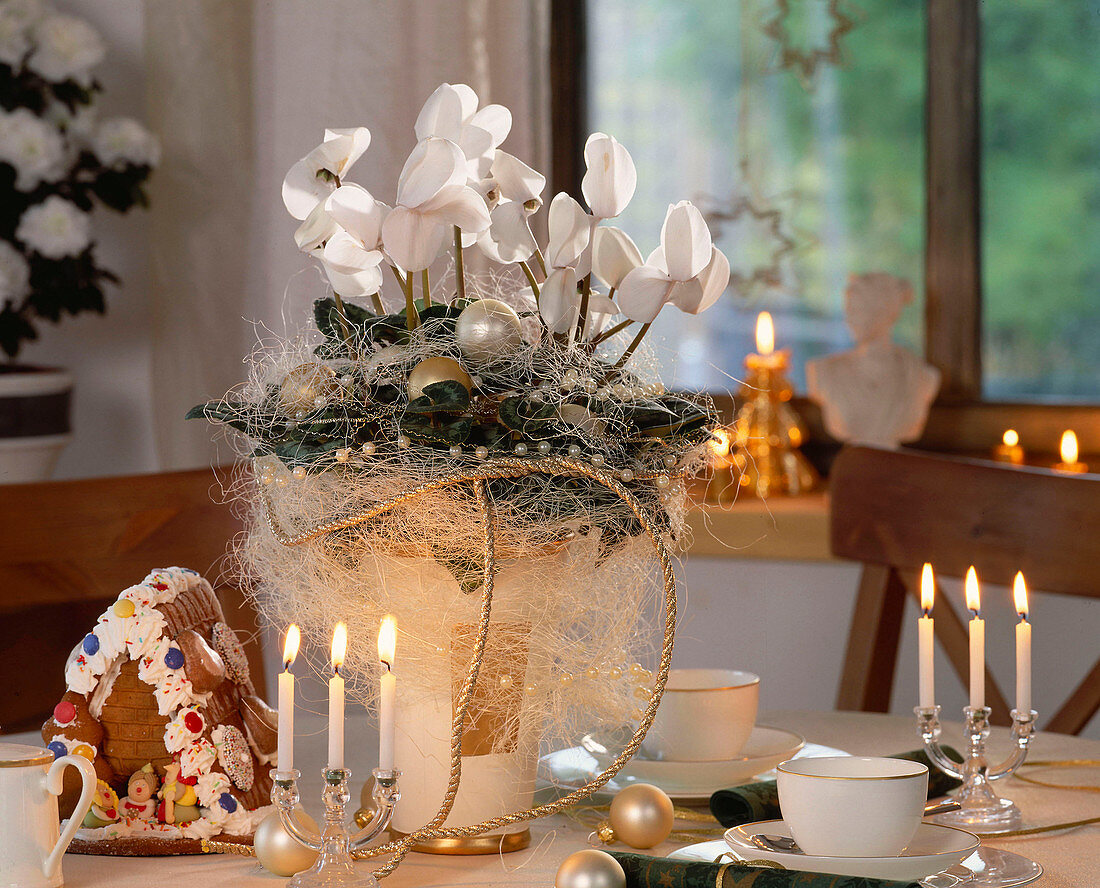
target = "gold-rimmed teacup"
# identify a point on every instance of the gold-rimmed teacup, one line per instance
(706, 715)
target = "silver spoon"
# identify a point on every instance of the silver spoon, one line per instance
(788, 845)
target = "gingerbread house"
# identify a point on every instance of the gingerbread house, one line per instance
(160, 688)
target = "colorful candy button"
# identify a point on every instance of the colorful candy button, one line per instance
(90, 644)
(193, 722)
(124, 608)
(57, 748)
(64, 712)
(85, 750)
(173, 658)
(227, 801)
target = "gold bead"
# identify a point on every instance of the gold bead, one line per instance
(615, 672)
(487, 330)
(278, 851)
(303, 385)
(642, 693)
(592, 672)
(530, 690)
(437, 369)
(506, 681)
(641, 815)
(590, 868)
(636, 668)
(566, 678)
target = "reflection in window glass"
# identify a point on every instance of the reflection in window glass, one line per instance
(1041, 198)
(807, 179)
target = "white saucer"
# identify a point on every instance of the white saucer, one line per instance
(688, 782)
(934, 849)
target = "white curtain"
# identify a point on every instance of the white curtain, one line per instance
(239, 91)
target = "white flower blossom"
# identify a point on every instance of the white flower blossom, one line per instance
(610, 178)
(16, 19)
(55, 228)
(34, 147)
(15, 273)
(65, 48)
(314, 177)
(451, 113)
(122, 141)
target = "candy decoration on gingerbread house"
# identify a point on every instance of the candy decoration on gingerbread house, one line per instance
(160, 700)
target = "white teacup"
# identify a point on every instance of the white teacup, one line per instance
(852, 806)
(706, 715)
(30, 782)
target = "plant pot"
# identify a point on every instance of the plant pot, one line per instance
(34, 421)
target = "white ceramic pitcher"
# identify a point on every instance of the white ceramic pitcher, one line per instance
(30, 782)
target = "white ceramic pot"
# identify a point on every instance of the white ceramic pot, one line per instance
(30, 844)
(852, 806)
(34, 421)
(706, 715)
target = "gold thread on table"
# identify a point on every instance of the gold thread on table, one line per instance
(721, 873)
(1059, 763)
(506, 468)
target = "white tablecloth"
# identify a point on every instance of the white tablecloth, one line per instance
(1071, 858)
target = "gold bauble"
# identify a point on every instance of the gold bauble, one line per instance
(590, 869)
(304, 384)
(488, 330)
(437, 370)
(641, 815)
(277, 850)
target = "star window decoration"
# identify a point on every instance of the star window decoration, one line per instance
(761, 243)
(797, 50)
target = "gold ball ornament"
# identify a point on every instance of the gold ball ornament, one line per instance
(590, 869)
(641, 815)
(488, 330)
(303, 385)
(437, 370)
(278, 851)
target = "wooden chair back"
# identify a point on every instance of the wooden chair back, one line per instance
(895, 510)
(67, 548)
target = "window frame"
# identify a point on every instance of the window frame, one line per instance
(961, 420)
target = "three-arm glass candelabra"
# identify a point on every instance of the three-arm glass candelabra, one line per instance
(334, 866)
(981, 810)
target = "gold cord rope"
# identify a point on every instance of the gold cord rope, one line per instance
(494, 469)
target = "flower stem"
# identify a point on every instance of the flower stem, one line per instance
(633, 345)
(530, 279)
(542, 261)
(426, 286)
(342, 317)
(607, 334)
(586, 294)
(412, 319)
(460, 272)
(376, 298)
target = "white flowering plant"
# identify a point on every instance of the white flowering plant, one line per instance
(58, 161)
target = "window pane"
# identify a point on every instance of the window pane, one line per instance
(1041, 198)
(832, 169)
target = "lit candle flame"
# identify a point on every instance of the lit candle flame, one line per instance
(339, 646)
(765, 334)
(1068, 447)
(973, 598)
(1019, 593)
(720, 442)
(1010, 438)
(927, 589)
(387, 640)
(290, 646)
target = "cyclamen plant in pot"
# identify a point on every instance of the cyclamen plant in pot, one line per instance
(58, 161)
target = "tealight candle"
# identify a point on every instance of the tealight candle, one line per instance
(1023, 646)
(1009, 450)
(977, 641)
(1068, 451)
(285, 755)
(926, 636)
(387, 644)
(336, 698)
(766, 357)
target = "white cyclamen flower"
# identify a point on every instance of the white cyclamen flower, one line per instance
(610, 180)
(560, 304)
(66, 48)
(686, 270)
(451, 113)
(17, 17)
(55, 228)
(122, 141)
(570, 229)
(15, 273)
(516, 195)
(353, 255)
(614, 255)
(34, 147)
(432, 197)
(314, 177)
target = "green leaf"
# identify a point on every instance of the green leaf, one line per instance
(524, 415)
(326, 314)
(422, 429)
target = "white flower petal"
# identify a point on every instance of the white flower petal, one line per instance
(459, 205)
(346, 254)
(468, 99)
(303, 189)
(508, 239)
(412, 239)
(515, 180)
(317, 228)
(442, 114)
(433, 165)
(559, 302)
(362, 283)
(353, 142)
(355, 209)
(614, 255)
(609, 183)
(496, 120)
(712, 282)
(570, 231)
(643, 293)
(686, 241)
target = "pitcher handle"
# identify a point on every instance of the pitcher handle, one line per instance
(51, 867)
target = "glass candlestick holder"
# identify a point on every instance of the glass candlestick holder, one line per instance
(334, 867)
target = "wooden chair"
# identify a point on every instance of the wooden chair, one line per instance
(67, 548)
(894, 510)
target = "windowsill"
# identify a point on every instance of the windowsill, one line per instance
(781, 529)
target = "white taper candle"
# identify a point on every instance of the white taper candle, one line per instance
(285, 756)
(336, 698)
(387, 701)
(1023, 647)
(926, 637)
(977, 641)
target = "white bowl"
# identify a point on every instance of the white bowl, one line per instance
(706, 715)
(852, 806)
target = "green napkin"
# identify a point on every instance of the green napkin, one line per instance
(660, 872)
(760, 801)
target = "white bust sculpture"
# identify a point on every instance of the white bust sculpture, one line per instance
(878, 392)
